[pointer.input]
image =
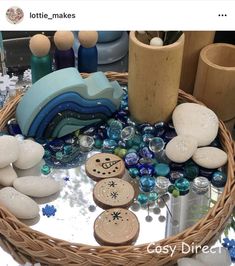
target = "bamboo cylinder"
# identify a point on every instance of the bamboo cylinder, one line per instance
(154, 77)
(215, 80)
(194, 42)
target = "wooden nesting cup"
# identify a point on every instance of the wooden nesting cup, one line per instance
(194, 42)
(215, 80)
(154, 77)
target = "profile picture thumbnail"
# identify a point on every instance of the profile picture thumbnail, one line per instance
(14, 15)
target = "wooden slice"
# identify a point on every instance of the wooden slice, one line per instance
(104, 165)
(116, 227)
(113, 192)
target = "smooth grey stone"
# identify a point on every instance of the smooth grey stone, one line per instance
(37, 186)
(181, 148)
(20, 205)
(210, 157)
(7, 176)
(31, 153)
(9, 150)
(197, 121)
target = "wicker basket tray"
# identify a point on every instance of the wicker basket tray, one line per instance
(27, 245)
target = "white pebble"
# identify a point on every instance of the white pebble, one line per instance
(197, 121)
(218, 257)
(210, 157)
(30, 154)
(9, 150)
(20, 205)
(37, 186)
(156, 41)
(34, 171)
(189, 262)
(7, 176)
(181, 148)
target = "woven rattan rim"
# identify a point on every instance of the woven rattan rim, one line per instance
(27, 245)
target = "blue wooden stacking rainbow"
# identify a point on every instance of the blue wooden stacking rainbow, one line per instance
(63, 102)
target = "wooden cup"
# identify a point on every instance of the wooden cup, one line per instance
(215, 80)
(194, 42)
(154, 77)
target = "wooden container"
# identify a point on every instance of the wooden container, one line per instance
(215, 80)
(154, 77)
(194, 42)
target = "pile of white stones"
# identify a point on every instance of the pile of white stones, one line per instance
(17, 155)
(196, 127)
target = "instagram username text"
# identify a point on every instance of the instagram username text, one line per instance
(42, 15)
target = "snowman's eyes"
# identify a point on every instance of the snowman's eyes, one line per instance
(107, 159)
(97, 160)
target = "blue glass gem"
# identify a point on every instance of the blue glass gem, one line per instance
(169, 135)
(174, 175)
(176, 166)
(131, 150)
(147, 183)
(147, 137)
(206, 172)
(59, 155)
(68, 149)
(89, 131)
(56, 145)
(102, 132)
(216, 143)
(171, 125)
(218, 179)
(191, 171)
(98, 143)
(156, 144)
(146, 169)
(148, 130)
(142, 198)
(134, 172)
(49, 210)
(137, 139)
(45, 169)
(141, 126)
(153, 196)
(114, 130)
(162, 169)
(182, 184)
(131, 159)
(160, 129)
(47, 154)
(13, 127)
(146, 153)
(128, 133)
(109, 145)
(130, 122)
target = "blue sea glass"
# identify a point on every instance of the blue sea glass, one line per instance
(218, 179)
(160, 129)
(147, 183)
(182, 184)
(131, 159)
(162, 169)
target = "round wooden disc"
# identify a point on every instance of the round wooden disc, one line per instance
(113, 192)
(116, 227)
(104, 165)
